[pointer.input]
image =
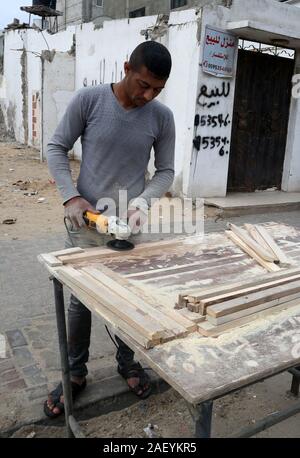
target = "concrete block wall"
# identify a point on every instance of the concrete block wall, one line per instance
(36, 113)
(72, 13)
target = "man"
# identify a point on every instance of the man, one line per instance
(118, 125)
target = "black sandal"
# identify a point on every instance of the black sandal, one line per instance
(56, 395)
(144, 388)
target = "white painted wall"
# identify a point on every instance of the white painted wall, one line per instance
(291, 170)
(181, 90)
(293, 3)
(209, 171)
(11, 93)
(34, 43)
(58, 89)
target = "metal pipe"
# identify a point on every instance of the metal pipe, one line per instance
(202, 415)
(295, 386)
(295, 372)
(295, 381)
(63, 349)
(268, 421)
(65, 14)
(127, 8)
(75, 428)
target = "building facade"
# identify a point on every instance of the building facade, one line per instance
(236, 132)
(98, 11)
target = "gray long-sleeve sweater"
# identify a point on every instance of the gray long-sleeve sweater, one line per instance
(116, 146)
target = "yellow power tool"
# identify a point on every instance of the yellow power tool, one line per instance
(110, 225)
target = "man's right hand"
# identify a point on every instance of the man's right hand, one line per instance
(75, 209)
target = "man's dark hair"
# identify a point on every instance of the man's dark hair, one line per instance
(154, 56)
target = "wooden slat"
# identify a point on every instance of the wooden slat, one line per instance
(252, 299)
(190, 326)
(251, 310)
(209, 330)
(253, 232)
(183, 268)
(273, 245)
(270, 266)
(113, 320)
(181, 303)
(260, 251)
(50, 260)
(246, 290)
(142, 323)
(190, 299)
(142, 248)
(212, 270)
(195, 317)
(68, 251)
(138, 302)
(219, 289)
(194, 307)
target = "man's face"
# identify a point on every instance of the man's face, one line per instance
(141, 86)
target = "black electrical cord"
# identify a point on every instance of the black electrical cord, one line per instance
(68, 231)
(117, 347)
(112, 339)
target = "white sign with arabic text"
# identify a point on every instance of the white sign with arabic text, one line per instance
(220, 48)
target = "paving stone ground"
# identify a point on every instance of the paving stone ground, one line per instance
(27, 320)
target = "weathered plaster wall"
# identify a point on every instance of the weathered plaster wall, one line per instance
(1, 51)
(23, 76)
(291, 170)
(58, 88)
(11, 85)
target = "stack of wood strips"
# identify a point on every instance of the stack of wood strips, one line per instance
(233, 305)
(124, 306)
(258, 243)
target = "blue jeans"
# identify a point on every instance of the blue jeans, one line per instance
(80, 318)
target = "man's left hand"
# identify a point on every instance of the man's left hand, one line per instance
(136, 220)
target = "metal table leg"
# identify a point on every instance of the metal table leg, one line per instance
(295, 381)
(63, 348)
(202, 415)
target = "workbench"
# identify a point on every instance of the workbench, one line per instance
(201, 369)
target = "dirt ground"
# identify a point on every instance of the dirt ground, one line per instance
(28, 194)
(166, 415)
(23, 181)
